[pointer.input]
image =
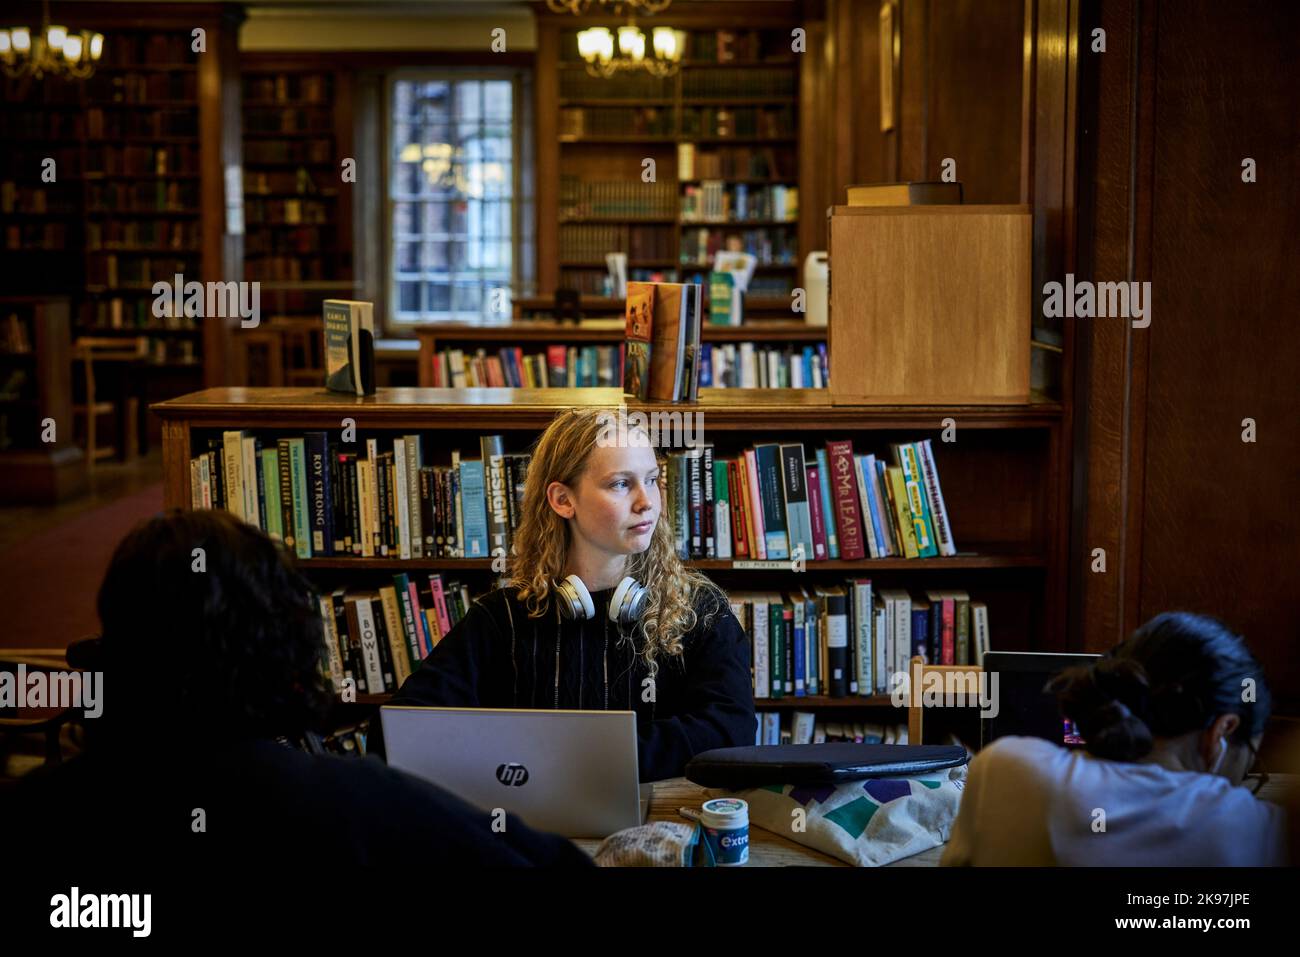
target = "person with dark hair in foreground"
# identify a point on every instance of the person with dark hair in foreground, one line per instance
(1172, 719)
(210, 652)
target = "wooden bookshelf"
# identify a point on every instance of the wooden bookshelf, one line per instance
(435, 337)
(1002, 481)
(738, 117)
(35, 385)
(139, 149)
(297, 125)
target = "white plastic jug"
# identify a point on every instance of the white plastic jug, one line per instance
(816, 283)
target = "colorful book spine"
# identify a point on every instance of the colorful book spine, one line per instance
(828, 508)
(934, 498)
(844, 487)
(271, 491)
(316, 448)
(301, 513)
(475, 508)
(815, 511)
(772, 501)
(794, 487)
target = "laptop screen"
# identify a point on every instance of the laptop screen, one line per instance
(1024, 707)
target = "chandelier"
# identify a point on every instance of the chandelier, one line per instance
(52, 50)
(579, 7)
(596, 45)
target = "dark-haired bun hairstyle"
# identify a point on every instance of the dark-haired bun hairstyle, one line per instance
(1109, 700)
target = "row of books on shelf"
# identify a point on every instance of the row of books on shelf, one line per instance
(34, 199)
(287, 120)
(846, 640)
(773, 503)
(558, 367)
(37, 125)
(263, 267)
(141, 160)
(590, 242)
(291, 212)
(156, 121)
(740, 162)
(286, 241)
(126, 235)
(22, 161)
(153, 195)
(375, 640)
(738, 83)
(767, 503)
(287, 87)
(259, 182)
(748, 365)
(744, 365)
(142, 87)
(722, 121)
(714, 201)
(725, 46)
(624, 121)
(314, 150)
(770, 246)
(776, 122)
(112, 269)
(804, 727)
(132, 49)
(321, 499)
(578, 84)
(594, 198)
(136, 313)
(586, 281)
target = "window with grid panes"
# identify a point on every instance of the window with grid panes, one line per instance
(451, 194)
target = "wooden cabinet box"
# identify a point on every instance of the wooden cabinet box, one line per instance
(930, 305)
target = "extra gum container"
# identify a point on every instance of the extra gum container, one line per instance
(726, 827)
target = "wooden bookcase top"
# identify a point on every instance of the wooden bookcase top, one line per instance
(494, 408)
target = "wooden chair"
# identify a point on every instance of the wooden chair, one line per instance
(88, 351)
(919, 674)
(47, 721)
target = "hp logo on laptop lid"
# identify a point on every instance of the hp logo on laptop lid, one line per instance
(512, 775)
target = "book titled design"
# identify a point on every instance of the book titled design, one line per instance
(349, 346)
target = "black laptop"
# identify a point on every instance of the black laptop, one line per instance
(1024, 705)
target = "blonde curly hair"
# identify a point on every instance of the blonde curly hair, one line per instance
(542, 539)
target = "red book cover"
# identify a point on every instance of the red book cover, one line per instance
(735, 497)
(844, 491)
(815, 509)
(556, 366)
(948, 629)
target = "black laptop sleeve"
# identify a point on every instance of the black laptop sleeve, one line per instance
(748, 767)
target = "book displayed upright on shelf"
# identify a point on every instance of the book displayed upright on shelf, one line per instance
(662, 356)
(349, 330)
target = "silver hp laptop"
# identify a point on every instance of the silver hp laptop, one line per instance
(573, 773)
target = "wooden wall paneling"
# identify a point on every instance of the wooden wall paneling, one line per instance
(1217, 531)
(913, 91)
(975, 64)
(1108, 107)
(816, 140)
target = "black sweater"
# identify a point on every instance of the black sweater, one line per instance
(265, 805)
(702, 699)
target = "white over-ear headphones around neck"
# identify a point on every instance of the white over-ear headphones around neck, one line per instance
(625, 607)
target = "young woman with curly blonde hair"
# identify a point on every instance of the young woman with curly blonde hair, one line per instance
(567, 629)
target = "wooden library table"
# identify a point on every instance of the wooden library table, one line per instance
(766, 849)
